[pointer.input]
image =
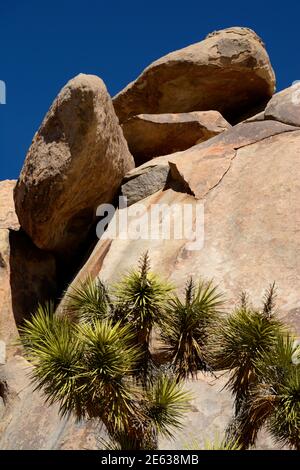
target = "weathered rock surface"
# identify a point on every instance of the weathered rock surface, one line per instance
(28, 423)
(229, 72)
(211, 410)
(152, 135)
(202, 167)
(27, 275)
(141, 184)
(251, 217)
(211, 159)
(76, 161)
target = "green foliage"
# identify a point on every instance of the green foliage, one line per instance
(277, 395)
(140, 300)
(185, 329)
(89, 366)
(100, 365)
(167, 403)
(237, 341)
(224, 444)
(141, 297)
(257, 349)
(88, 301)
(83, 367)
(51, 345)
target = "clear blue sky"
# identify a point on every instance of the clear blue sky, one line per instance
(45, 43)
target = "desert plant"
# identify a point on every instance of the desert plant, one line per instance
(185, 327)
(88, 301)
(276, 398)
(140, 298)
(91, 366)
(236, 341)
(243, 343)
(214, 444)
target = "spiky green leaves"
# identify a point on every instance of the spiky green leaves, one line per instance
(278, 392)
(140, 299)
(167, 403)
(186, 325)
(53, 348)
(88, 301)
(141, 296)
(264, 376)
(83, 367)
(88, 368)
(237, 341)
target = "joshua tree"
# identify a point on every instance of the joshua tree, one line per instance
(185, 327)
(275, 400)
(236, 343)
(140, 299)
(91, 365)
(96, 361)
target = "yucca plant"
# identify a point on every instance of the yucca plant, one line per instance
(214, 444)
(89, 367)
(185, 327)
(140, 299)
(82, 367)
(163, 407)
(236, 344)
(236, 341)
(88, 301)
(166, 404)
(276, 398)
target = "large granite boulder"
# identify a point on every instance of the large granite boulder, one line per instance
(229, 72)
(76, 161)
(151, 135)
(248, 181)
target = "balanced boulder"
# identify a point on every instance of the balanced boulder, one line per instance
(76, 161)
(152, 135)
(229, 72)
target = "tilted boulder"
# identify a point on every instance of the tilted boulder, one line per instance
(229, 72)
(153, 135)
(76, 161)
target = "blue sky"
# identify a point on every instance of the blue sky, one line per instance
(45, 43)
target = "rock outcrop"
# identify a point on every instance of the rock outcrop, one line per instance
(241, 190)
(244, 180)
(152, 135)
(229, 72)
(247, 180)
(76, 161)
